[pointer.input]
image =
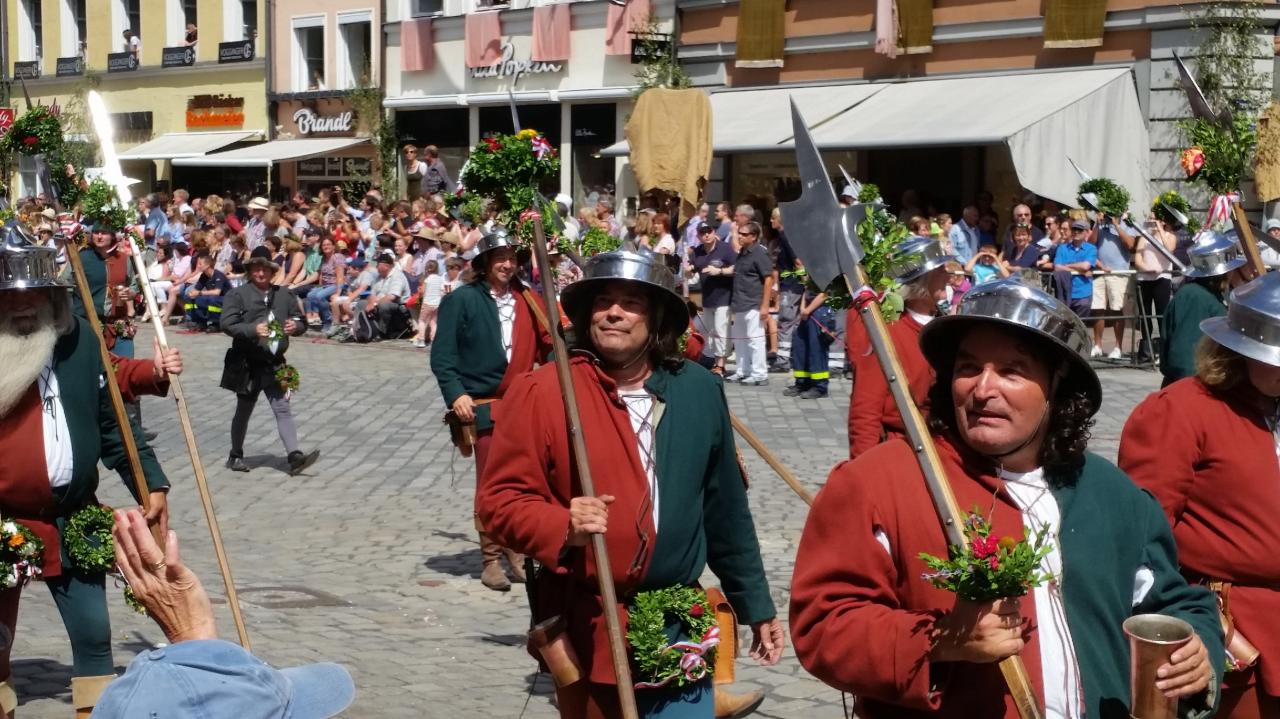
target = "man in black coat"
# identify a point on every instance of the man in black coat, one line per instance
(257, 315)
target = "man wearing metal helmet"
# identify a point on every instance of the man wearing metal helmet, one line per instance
(488, 332)
(1011, 411)
(919, 265)
(670, 501)
(1205, 446)
(56, 424)
(1215, 262)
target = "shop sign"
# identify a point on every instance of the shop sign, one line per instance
(309, 122)
(358, 166)
(235, 51)
(121, 62)
(178, 57)
(70, 67)
(215, 111)
(312, 168)
(26, 70)
(510, 67)
(6, 120)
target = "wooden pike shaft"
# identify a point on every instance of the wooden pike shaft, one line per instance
(197, 466)
(771, 459)
(1247, 241)
(113, 387)
(604, 572)
(944, 499)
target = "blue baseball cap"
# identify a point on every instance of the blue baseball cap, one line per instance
(210, 679)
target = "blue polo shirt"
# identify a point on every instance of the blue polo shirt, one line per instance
(1068, 254)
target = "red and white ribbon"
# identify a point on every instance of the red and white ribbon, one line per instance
(540, 146)
(1220, 208)
(693, 665)
(863, 296)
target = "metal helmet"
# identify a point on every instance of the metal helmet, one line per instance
(495, 238)
(1010, 303)
(1252, 324)
(642, 267)
(916, 256)
(1213, 254)
(25, 264)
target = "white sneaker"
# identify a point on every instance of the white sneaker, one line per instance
(1115, 354)
(1095, 352)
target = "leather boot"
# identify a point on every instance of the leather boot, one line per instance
(516, 561)
(735, 706)
(85, 692)
(492, 577)
(8, 699)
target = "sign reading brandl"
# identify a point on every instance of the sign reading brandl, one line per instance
(309, 122)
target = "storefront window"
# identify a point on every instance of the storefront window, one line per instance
(594, 128)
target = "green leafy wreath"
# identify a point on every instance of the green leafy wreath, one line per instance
(1113, 200)
(37, 131)
(659, 660)
(596, 240)
(88, 540)
(1171, 198)
(288, 377)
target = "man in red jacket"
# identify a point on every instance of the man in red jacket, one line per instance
(919, 265)
(1011, 409)
(1205, 446)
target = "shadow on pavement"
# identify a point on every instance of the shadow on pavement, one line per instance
(460, 564)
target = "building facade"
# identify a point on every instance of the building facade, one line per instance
(186, 80)
(455, 67)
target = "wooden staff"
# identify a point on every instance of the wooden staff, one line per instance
(604, 574)
(193, 451)
(113, 387)
(1247, 241)
(771, 459)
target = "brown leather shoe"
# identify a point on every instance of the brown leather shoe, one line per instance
(735, 706)
(494, 578)
(516, 560)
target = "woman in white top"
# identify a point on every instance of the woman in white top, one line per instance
(160, 275)
(1155, 280)
(432, 294)
(666, 244)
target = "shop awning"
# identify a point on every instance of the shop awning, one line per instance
(186, 144)
(269, 153)
(760, 120)
(1091, 116)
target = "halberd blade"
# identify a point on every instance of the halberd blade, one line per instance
(1200, 107)
(821, 232)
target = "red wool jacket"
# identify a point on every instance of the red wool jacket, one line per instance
(873, 415)
(1210, 459)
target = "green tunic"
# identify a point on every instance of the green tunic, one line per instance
(1192, 303)
(467, 356)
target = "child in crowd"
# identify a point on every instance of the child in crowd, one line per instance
(986, 265)
(432, 293)
(957, 283)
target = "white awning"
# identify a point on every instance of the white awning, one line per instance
(760, 120)
(269, 153)
(1091, 116)
(186, 144)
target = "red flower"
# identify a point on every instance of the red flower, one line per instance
(696, 611)
(30, 140)
(984, 547)
(994, 562)
(493, 144)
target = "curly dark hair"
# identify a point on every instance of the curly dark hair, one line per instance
(1071, 413)
(664, 349)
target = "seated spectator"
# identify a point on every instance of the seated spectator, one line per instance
(182, 273)
(199, 674)
(204, 297)
(986, 266)
(361, 277)
(383, 312)
(957, 283)
(330, 279)
(160, 277)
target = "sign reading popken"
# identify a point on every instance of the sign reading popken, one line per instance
(510, 67)
(309, 122)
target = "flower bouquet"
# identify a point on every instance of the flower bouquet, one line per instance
(124, 329)
(596, 240)
(288, 378)
(508, 170)
(37, 131)
(1110, 198)
(659, 660)
(989, 567)
(1219, 157)
(102, 207)
(20, 554)
(275, 331)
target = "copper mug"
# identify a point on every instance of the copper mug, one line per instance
(1153, 638)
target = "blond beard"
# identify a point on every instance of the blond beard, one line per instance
(24, 356)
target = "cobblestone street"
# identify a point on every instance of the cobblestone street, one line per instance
(370, 558)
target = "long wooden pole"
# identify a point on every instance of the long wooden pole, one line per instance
(193, 451)
(604, 573)
(944, 499)
(113, 387)
(1247, 241)
(771, 459)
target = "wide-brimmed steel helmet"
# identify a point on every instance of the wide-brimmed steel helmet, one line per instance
(1252, 324)
(916, 256)
(25, 264)
(641, 267)
(493, 239)
(1010, 303)
(1213, 254)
